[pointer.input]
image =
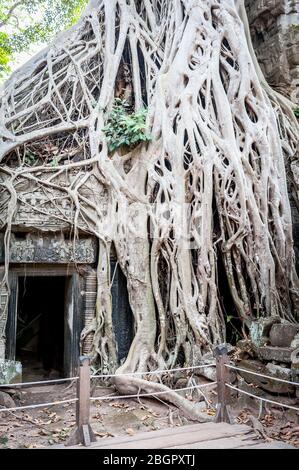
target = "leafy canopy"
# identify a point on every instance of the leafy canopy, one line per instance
(124, 129)
(24, 23)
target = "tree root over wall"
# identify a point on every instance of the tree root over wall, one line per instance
(212, 181)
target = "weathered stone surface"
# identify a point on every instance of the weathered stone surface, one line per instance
(260, 329)
(275, 33)
(248, 387)
(282, 334)
(51, 249)
(271, 353)
(295, 342)
(10, 372)
(179, 374)
(259, 392)
(266, 384)
(295, 359)
(6, 400)
(181, 383)
(283, 372)
(52, 212)
(208, 373)
(3, 311)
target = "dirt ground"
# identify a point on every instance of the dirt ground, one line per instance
(43, 428)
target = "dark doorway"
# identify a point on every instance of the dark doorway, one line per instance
(232, 319)
(122, 316)
(41, 325)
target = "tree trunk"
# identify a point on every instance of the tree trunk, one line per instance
(211, 184)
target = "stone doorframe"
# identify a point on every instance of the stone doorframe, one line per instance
(74, 309)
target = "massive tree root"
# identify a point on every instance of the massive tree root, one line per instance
(210, 185)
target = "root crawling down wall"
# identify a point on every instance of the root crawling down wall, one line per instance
(220, 137)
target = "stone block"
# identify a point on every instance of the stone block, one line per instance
(282, 334)
(267, 384)
(295, 359)
(260, 329)
(6, 400)
(274, 32)
(57, 249)
(254, 402)
(208, 373)
(272, 353)
(295, 342)
(10, 372)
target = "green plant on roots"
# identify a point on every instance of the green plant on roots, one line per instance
(296, 112)
(54, 162)
(124, 129)
(30, 159)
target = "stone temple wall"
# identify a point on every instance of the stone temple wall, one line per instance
(274, 26)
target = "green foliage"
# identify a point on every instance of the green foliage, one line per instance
(124, 129)
(59, 435)
(54, 162)
(30, 158)
(5, 53)
(294, 27)
(3, 440)
(28, 22)
(296, 112)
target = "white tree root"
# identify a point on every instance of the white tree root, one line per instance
(210, 185)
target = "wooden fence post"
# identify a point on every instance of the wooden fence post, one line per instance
(83, 433)
(223, 376)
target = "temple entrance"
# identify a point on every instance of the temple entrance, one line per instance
(41, 325)
(45, 320)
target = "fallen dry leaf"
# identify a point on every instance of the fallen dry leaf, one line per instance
(210, 412)
(118, 405)
(130, 431)
(145, 417)
(103, 434)
(31, 446)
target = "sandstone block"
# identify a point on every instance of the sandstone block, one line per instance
(282, 334)
(272, 353)
(10, 372)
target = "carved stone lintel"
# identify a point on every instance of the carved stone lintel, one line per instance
(51, 249)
